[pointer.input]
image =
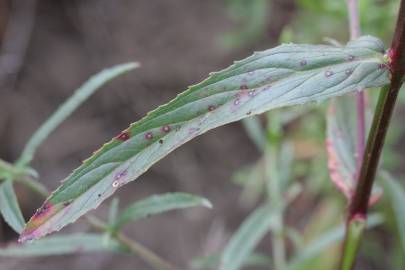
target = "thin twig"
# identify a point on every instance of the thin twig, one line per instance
(382, 116)
(133, 246)
(355, 32)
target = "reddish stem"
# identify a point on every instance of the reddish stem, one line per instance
(382, 117)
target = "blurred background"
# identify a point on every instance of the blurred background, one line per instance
(48, 48)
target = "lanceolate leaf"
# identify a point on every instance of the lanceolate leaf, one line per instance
(286, 75)
(341, 145)
(212, 261)
(396, 196)
(158, 204)
(9, 208)
(62, 244)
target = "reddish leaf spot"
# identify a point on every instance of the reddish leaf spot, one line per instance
(66, 203)
(166, 129)
(161, 141)
(244, 87)
(149, 135)
(328, 73)
(119, 175)
(303, 62)
(123, 136)
(45, 208)
(211, 108)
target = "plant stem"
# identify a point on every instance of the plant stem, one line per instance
(382, 116)
(355, 32)
(136, 248)
(36, 186)
(274, 188)
(140, 250)
(354, 232)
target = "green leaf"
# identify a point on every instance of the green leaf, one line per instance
(243, 242)
(69, 106)
(255, 132)
(286, 75)
(158, 204)
(212, 261)
(9, 207)
(63, 244)
(341, 145)
(324, 241)
(396, 196)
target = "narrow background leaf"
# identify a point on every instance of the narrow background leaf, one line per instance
(396, 195)
(212, 262)
(243, 242)
(9, 208)
(341, 144)
(157, 204)
(69, 106)
(63, 244)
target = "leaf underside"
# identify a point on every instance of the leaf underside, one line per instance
(341, 145)
(285, 75)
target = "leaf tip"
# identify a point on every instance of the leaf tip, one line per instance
(206, 203)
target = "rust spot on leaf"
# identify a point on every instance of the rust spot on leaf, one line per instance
(149, 135)
(45, 208)
(244, 87)
(166, 129)
(123, 136)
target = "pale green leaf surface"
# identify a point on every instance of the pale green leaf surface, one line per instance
(61, 245)
(9, 208)
(157, 204)
(286, 75)
(243, 242)
(396, 195)
(212, 261)
(255, 132)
